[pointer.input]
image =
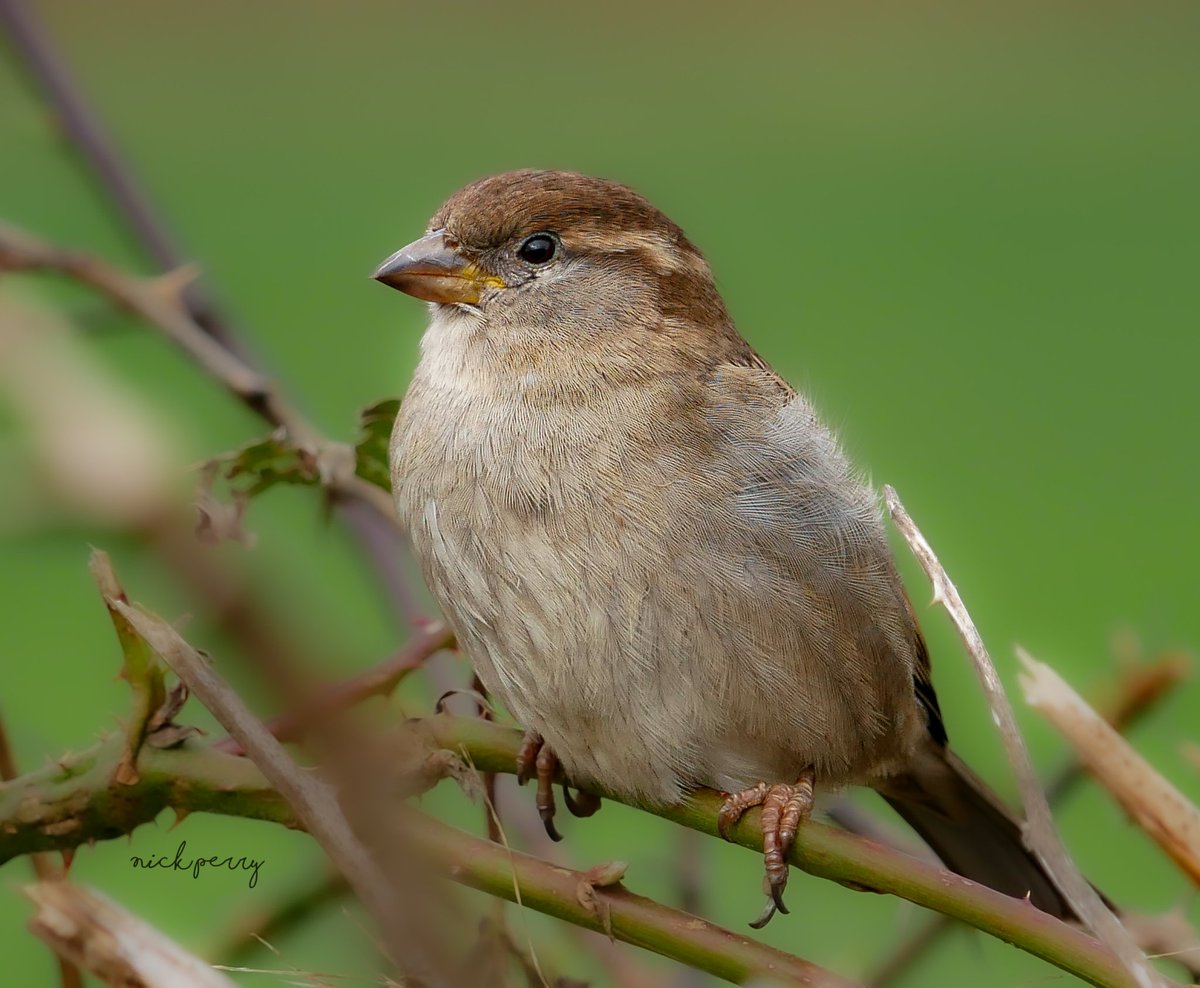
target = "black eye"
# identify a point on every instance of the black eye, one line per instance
(538, 249)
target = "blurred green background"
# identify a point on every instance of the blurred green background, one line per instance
(972, 232)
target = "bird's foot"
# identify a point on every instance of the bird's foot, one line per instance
(783, 809)
(535, 759)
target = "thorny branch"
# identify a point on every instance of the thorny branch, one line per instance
(158, 302)
(165, 301)
(124, 193)
(67, 804)
(79, 800)
(113, 175)
(43, 868)
(313, 800)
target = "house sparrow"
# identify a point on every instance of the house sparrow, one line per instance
(649, 546)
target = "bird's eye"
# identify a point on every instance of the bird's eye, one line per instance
(538, 249)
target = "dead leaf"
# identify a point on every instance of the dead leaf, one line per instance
(161, 729)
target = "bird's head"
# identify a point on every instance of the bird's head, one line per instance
(557, 253)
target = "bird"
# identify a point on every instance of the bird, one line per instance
(651, 548)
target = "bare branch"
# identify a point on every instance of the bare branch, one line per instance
(43, 868)
(1160, 809)
(313, 800)
(1040, 833)
(113, 175)
(163, 309)
(579, 898)
(95, 933)
(830, 853)
(160, 304)
(1138, 690)
(336, 698)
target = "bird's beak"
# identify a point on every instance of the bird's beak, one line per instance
(428, 269)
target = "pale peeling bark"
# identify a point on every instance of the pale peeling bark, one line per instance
(1160, 809)
(111, 943)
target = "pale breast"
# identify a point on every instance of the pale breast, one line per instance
(669, 599)
(548, 570)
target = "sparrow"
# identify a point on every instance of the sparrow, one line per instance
(649, 546)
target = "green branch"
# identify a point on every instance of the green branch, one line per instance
(582, 899)
(129, 778)
(844, 858)
(78, 799)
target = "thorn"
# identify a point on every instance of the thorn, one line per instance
(608, 873)
(170, 287)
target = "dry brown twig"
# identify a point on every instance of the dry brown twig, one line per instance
(1155, 805)
(159, 302)
(45, 870)
(82, 127)
(120, 190)
(105, 457)
(313, 800)
(1139, 688)
(1039, 833)
(380, 680)
(1191, 752)
(90, 931)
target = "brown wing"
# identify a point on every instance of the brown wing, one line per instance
(923, 687)
(922, 669)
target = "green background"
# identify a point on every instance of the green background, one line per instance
(969, 231)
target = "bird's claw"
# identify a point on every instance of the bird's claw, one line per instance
(535, 759)
(735, 806)
(582, 803)
(527, 754)
(784, 807)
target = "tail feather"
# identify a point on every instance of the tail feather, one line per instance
(970, 829)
